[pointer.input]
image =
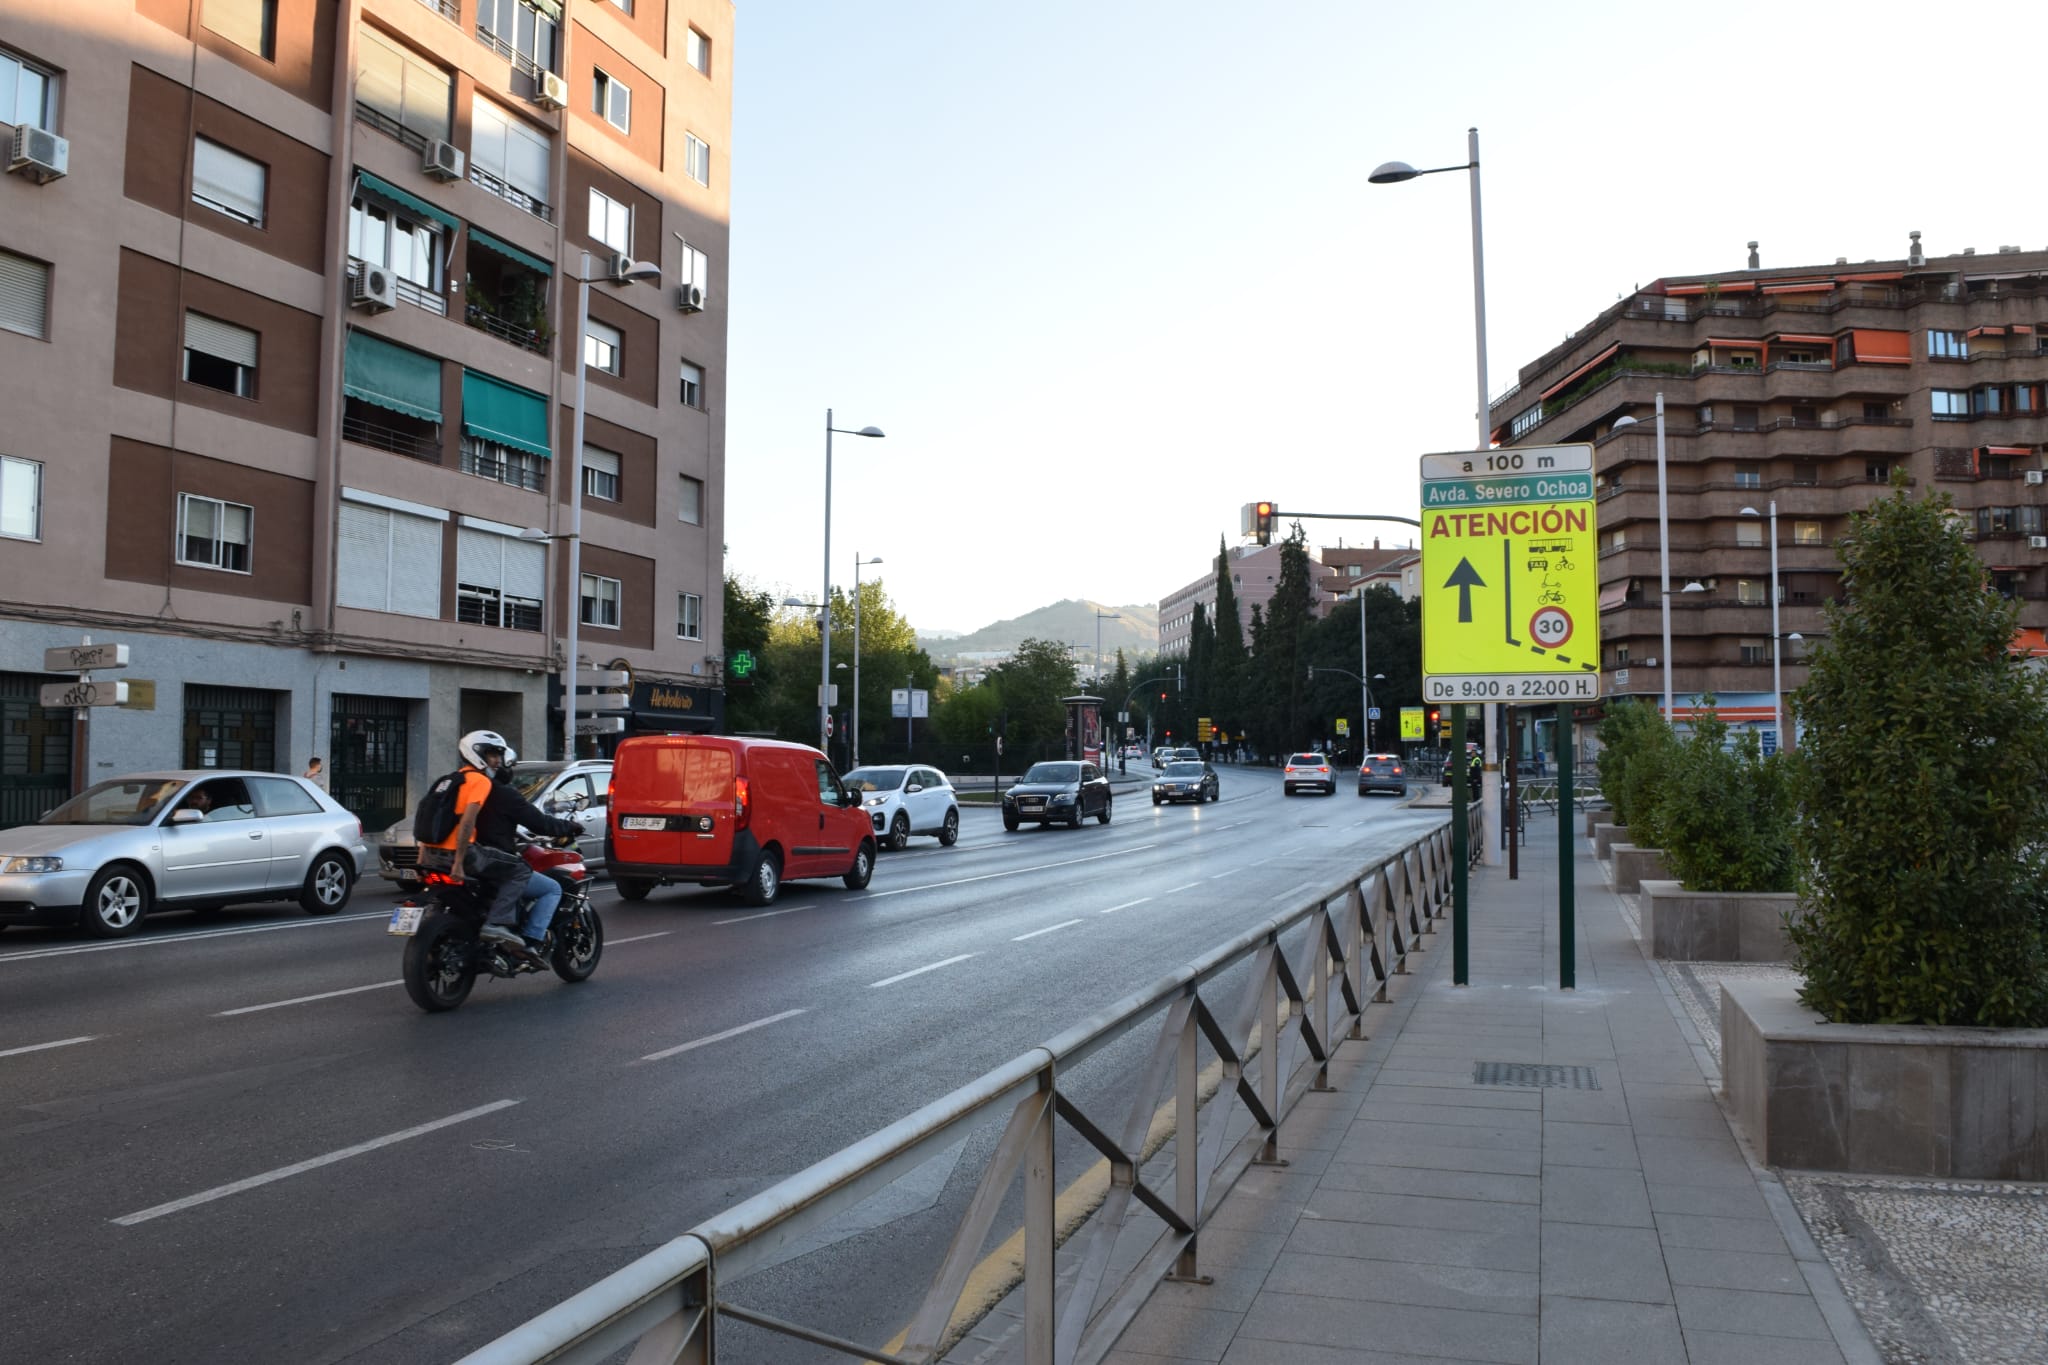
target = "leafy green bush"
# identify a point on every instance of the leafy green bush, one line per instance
(1724, 812)
(1637, 749)
(1922, 783)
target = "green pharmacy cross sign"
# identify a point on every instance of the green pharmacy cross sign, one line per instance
(742, 663)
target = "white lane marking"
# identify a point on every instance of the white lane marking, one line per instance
(1239, 825)
(310, 1164)
(306, 999)
(44, 1047)
(721, 1037)
(1185, 886)
(1125, 906)
(1260, 862)
(1219, 876)
(765, 914)
(637, 938)
(1014, 872)
(1048, 929)
(1293, 889)
(918, 971)
(188, 938)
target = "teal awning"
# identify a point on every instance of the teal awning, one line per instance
(478, 237)
(493, 410)
(392, 377)
(384, 189)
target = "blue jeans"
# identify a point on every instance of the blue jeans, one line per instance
(542, 891)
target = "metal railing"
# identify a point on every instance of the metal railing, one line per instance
(527, 338)
(447, 9)
(517, 198)
(1272, 1041)
(368, 432)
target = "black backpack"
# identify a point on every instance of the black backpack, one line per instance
(436, 817)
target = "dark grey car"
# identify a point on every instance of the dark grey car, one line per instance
(1064, 791)
(1187, 780)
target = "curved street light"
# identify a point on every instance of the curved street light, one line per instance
(825, 648)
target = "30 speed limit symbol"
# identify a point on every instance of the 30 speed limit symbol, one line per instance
(1551, 626)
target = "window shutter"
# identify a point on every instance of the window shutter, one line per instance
(24, 295)
(602, 460)
(227, 178)
(525, 569)
(364, 568)
(380, 77)
(222, 340)
(415, 565)
(479, 558)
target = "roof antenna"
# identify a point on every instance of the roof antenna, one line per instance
(1914, 255)
(1755, 262)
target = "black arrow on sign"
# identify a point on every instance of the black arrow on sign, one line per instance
(1464, 578)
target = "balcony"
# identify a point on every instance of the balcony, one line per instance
(447, 9)
(507, 298)
(517, 198)
(418, 295)
(391, 127)
(382, 429)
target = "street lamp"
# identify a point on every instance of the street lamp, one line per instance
(854, 741)
(625, 270)
(1777, 675)
(825, 630)
(1100, 617)
(1663, 554)
(1393, 173)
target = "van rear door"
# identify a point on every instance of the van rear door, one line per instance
(674, 803)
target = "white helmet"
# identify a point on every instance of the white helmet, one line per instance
(477, 745)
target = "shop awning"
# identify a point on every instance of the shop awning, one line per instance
(1615, 593)
(1582, 370)
(478, 237)
(376, 371)
(493, 410)
(384, 189)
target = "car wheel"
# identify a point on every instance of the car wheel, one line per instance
(949, 833)
(328, 885)
(1080, 814)
(899, 833)
(766, 879)
(633, 888)
(863, 869)
(1157, 799)
(1010, 822)
(1102, 816)
(115, 902)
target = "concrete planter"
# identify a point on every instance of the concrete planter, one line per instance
(1715, 926)
(1952, 1103)
(1633, 865)
(1605, 837)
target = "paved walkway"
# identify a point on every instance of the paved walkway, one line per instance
(1427, 1218)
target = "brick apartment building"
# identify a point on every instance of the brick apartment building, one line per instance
(1806, 388)
(287, 362)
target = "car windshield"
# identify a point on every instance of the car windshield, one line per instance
(531, 785)
(1306, 761)
(1183, 770)
(1054, 772)
(873, 780)
(123, 801)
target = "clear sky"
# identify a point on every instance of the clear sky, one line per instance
(1107, 270)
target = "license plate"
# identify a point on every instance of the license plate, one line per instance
(405, 919)
(643, 822)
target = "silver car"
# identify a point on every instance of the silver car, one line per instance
(547, 785)
(188, 840)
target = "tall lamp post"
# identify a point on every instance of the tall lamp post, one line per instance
(825, 625)
(1393, 173)
(624, 271)
(1663, 555)
(1777, 675)
(854, 738)
(1100, 617)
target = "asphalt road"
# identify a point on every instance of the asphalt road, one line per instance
(240, 1140)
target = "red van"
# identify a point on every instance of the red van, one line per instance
(718, 810)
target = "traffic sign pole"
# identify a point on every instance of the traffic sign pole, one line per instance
(1567, 919)
(1461, 974)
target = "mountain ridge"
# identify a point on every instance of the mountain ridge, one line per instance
(1072, 621)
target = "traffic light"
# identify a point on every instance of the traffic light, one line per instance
(1257, 521)
(1436, 722)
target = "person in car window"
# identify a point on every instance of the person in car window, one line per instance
(198, 799)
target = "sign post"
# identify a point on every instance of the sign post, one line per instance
(83, 695)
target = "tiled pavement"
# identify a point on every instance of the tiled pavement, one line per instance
(1425, 1218)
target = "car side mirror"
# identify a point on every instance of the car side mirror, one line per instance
(187, 816)
(913, 789)
(849, 798)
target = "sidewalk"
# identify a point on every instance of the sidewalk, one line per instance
(1605, 1215)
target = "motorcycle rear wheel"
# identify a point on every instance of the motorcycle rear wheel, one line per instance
(438, 972)
(579, 943)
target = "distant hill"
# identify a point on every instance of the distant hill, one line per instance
(1135, 631)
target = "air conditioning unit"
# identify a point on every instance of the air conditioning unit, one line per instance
(2033, 476)
(442, 160)
(374, 288)
(617, 264)
(2037, 542)
(39, 154)
(690, 299)
(554, 91)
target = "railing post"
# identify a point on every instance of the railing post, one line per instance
(1319, 983)
(1187, 1164)
(1269, 1074)
(1354, 957)
(1040, 1290)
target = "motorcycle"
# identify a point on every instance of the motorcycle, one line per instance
(445, 952)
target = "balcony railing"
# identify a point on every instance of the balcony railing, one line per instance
(527, 338)
(390, 127)
(517, 198)
(418, 295)
(369, 432)
(524, 64)
(447, 9)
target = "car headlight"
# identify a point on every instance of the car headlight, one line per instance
(878, 801)
(27, 864)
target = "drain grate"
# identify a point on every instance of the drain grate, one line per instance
(1530, 1074)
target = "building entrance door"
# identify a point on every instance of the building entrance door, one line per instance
(367, 751)
(230, 727)
(35, 751)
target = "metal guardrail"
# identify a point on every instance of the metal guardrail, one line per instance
(1359, 934)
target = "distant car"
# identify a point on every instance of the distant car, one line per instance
(906, 799)
(1382, 773)
(398, 856)
(1065, 791)
(1307, 772)
(1187, 781)
(1187, 755)
(190, 839)
(1162, 756)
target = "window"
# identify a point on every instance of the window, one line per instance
(697, 51)
(1746, 416)
(28, 94)
(1805, 473)
(1989, 402)
(21, 499)
(697, 158)
(507, 150)
(411, 247)
(1619, 540)
(601, 347)
(611, 222)
(1755, 651)
(1877, 412)
(407, 97)
(228, 182)
(696, 269)
(1749, 591)
(24, 295)
(693, 386)
(507, 464)
(1525, 419)
(625, 6)
(1947, 345)
(600, 473)
(1749, 476)
(1950, 404)
(498, 580)
(250, 24)
(1621, 656)
(1806, 533)
(691, 508)
(389, 560)
(1877, 471)
(518, 30)
(600, 606)
(1748, 532)
(213, 534)
(689, 616)
(220, 355)
(1742, 360)
(612, 100)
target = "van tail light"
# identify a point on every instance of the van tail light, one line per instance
(742, 808)
(611, 789)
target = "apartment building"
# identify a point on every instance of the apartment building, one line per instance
(1791, 398)
(288, 302)
(1350, 570)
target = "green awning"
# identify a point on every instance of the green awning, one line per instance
(384, 189)
(392, 377)
(496, 411)
(478, 237)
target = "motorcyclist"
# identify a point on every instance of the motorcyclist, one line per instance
(492, 816)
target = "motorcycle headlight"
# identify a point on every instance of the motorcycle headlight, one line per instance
(26, 864)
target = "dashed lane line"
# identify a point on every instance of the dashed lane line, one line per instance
(765, 914)
(1125, 906)
(1013, 872)
(1063, 924)
(637, 938)
(720, 1037)
(45, 1047)
(189, 937)
(917, 971)
(306, 999)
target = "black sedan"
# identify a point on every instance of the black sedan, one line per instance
(1069, 792)
(1185, 780)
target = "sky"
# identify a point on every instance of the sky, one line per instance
(1106, 271)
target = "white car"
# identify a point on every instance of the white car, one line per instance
(906, 799)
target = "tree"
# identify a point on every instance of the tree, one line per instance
(1030, 684)
(1279, 667)
(748, 611)
(1226, 692)
(1922, 781)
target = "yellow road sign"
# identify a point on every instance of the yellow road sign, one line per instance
(1511, 582)
(1411, 722)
